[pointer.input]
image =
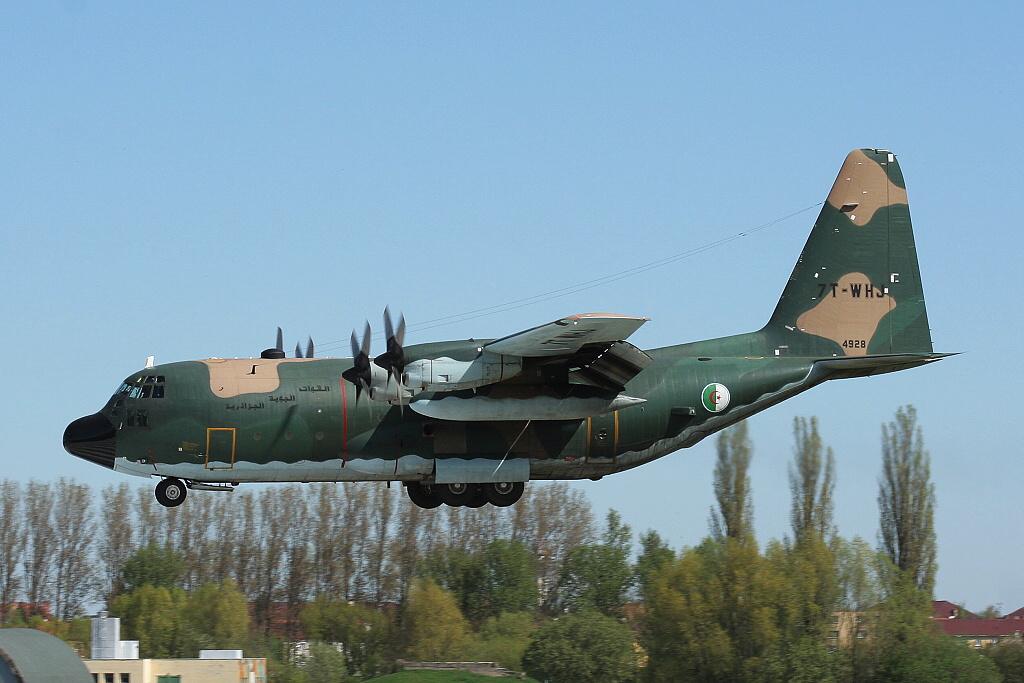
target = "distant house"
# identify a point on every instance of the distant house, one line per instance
(944, 609)
(848, 627)
(1019, 614)
(982, 632)
(955, 621)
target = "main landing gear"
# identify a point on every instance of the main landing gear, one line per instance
(431, 496)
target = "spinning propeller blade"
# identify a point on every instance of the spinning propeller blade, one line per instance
(360, 374)
(393, 358)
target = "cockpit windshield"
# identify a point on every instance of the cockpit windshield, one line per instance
(143, 386)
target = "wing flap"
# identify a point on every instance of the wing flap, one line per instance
(614, 366)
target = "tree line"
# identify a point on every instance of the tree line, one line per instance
(540, 586)
(286, 543)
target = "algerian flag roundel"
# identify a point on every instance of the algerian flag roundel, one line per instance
(715, 397)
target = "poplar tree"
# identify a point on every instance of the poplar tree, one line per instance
(811, 483)
(809, 561)
(12, 545)
(906, 501)
(734, 516)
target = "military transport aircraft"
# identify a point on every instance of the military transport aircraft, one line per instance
(468, 422)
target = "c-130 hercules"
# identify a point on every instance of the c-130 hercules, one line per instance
(468, 422)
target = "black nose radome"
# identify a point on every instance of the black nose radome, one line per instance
(91, 438)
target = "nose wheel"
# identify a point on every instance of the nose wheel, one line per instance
(171, 492)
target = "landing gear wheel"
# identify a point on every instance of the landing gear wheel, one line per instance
(422, 495)
(504, 493)
(171, 492)
(479, 500)
(456, 495)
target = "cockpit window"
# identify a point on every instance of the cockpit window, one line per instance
(145, 386)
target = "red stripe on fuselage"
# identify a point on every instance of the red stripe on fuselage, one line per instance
(344, 423)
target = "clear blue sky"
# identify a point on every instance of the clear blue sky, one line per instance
(179, 179)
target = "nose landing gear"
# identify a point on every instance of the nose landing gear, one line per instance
(171, 492)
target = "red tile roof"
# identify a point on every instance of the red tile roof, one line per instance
(1019, 614)
(988, 628)
(944, 609)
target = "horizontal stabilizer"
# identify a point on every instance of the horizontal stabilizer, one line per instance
(865, 366)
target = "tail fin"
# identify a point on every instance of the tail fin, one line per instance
(856, 289)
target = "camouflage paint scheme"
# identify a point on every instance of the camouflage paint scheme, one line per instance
(853, 306)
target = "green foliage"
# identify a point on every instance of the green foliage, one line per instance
(1008, 656)
(152, 615)
(167, 623)
(509, 578)
(809, 586)
(155, 565)
(434, 628)
(734, 516)
(326, 664)
(582, 648)
(906, 501)
(990, 612)
(438, 677)
(79, 635)
(364, 633)
(654, 556)
(217, 612)
(931, 657)
(811, 483)
(856, 573)
(502, 577)
(684, 635)
(806, 660)
(598, 576)
(503, 639)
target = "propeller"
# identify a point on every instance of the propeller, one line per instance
(393, 359)
(278, 350)
(309, 349)
(360, 374)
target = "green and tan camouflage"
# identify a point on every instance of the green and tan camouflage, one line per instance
(468, 422)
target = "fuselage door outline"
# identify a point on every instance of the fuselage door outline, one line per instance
(220, 446)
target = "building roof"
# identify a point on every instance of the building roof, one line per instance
(36, 657)
(981, 627)
(1019, 614)
(944, 609)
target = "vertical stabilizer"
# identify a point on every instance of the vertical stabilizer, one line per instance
(856, 289)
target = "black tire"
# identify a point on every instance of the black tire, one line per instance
(456, 495)
(171, 492)
(479, 500)
(422, 495)
(504, 493)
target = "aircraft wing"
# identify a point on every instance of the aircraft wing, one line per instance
(567, 336)
(586, 363)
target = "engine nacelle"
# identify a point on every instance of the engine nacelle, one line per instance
(446, 374)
